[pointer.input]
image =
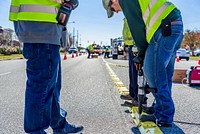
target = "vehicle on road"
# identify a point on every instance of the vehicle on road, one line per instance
(183, 54)
(196, 52)
(82, 51)
(72, 50)
(97, 50)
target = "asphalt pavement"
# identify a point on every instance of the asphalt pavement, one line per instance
(186, 98)
(91, 98)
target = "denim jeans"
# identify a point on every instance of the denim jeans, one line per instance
(159, 68)
(133, 86)
(42, 96)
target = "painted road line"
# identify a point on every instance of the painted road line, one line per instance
(5, 73)
(144, 127)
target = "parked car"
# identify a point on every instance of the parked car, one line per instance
(196, 52)
(72, 49)
(82, 51)
(183, 54)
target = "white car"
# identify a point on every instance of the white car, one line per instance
(183, 54)
(196, 52)
(82, 51)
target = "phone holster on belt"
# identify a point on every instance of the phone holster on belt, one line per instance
(166, 28)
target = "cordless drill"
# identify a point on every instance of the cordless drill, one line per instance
(65, 10)
(141, 90)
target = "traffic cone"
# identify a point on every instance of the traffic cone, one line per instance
(72, 54)
(199, 61)
(65, 56)
(177, 59)
(76, 54)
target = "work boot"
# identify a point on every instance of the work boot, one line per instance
(148, 117)
(126, 97)
(164, 124)
(148, 110)
(131, 104)
(152, 118)
(68, 128)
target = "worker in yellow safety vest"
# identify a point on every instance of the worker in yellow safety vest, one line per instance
(133, 87)
(107, 52)
(90, 48)
(157, 29)
(39, 24)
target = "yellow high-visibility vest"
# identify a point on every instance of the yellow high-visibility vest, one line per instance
(128, 40)
(34, 10)
(153, 12)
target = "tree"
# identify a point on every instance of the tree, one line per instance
(1, 35)
(8, 33)
(192, 39)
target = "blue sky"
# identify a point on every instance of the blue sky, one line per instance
(92, 23)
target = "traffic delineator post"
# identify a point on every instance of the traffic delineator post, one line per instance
(177, 59)
(65, 56)
(72, 54)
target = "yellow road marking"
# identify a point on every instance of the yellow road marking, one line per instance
(144, 127)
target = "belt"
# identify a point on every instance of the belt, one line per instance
(176, 23)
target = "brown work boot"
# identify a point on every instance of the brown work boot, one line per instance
(131, 104)
(126, 97)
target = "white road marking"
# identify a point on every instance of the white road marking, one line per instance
(5, 73)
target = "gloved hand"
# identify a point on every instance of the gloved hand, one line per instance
(73, 3)
(138, 61)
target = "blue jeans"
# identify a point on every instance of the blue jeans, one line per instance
(42, 96)
(133, 86)
(159, 68)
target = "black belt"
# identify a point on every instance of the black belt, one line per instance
(176, 23)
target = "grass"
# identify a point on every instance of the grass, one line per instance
(10, 57)
(194, 58)
(19, 56)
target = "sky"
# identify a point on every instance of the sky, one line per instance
(92, 25)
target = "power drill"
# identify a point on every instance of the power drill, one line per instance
(141, 90)
(65, 10)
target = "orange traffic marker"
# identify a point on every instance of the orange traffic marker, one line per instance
(65, 56)
(72, 54)
(76, 54)
(199, 62)
(177, 59)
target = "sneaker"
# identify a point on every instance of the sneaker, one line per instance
(68, 129)
(126, 97)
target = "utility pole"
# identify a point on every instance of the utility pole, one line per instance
(77, 39)
(80, 40)
(73, 36)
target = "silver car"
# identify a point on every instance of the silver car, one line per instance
(196, 52)
(183, 54)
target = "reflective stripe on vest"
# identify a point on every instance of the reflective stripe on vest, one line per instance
(33, 12)
(153, 12)
(14, 8)
(128, 39)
